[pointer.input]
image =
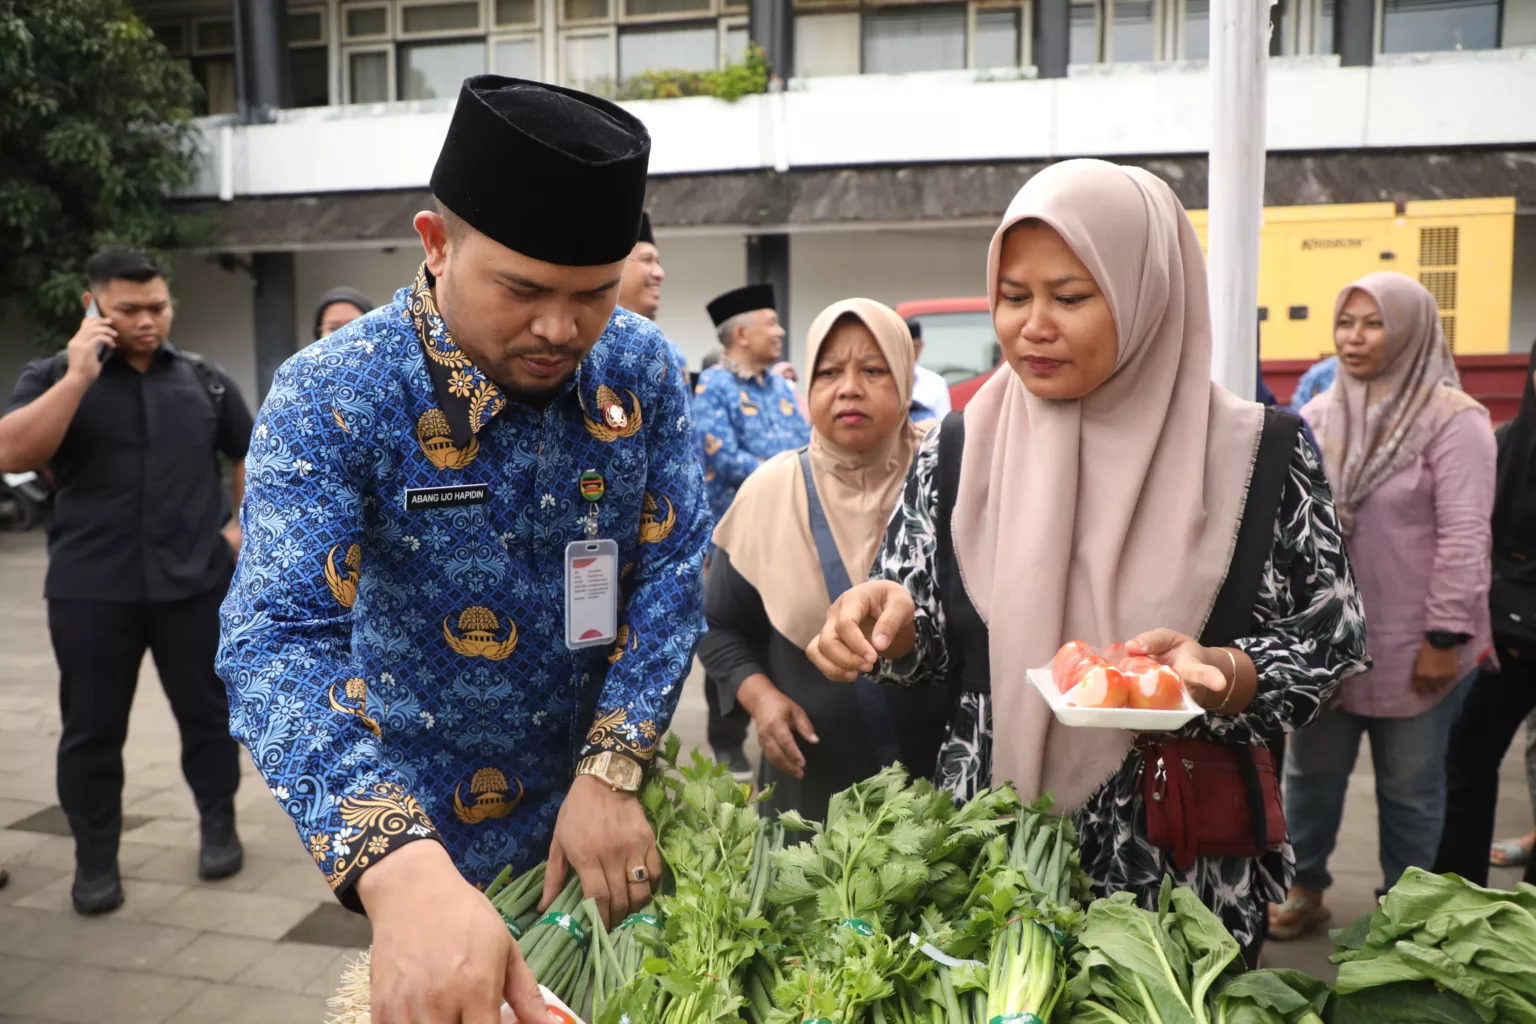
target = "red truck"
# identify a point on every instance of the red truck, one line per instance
(960, 345)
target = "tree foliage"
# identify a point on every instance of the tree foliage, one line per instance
(95, 130)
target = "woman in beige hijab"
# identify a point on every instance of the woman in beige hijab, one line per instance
(769, 586)
(1105, 490)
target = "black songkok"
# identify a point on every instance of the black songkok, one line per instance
(551, 173)
(741, 300)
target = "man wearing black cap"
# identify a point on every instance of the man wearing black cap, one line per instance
(641, 290)
(337, 308)
(470, 589)
(743, 416)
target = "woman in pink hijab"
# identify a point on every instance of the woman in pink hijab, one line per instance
(1105, 490)
(1411, 458)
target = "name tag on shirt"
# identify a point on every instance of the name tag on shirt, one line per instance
(421, 499)
(591, 593)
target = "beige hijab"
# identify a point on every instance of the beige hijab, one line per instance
(1099, 518)
(1370, 430)
(767, 531)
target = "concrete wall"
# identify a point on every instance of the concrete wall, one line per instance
(1444, 99)
(1519, 23)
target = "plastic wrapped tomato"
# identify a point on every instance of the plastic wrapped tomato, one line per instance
(1153, 686)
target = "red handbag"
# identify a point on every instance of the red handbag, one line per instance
(1207, 799)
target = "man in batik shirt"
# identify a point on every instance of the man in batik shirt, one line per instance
(743, 415)
(399, 645)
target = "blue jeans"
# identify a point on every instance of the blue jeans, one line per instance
(1409, 759)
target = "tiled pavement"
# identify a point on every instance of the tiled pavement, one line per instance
(267, 946)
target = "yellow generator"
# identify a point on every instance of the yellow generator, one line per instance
(1462, 250)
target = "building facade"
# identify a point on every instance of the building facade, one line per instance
(901, 130)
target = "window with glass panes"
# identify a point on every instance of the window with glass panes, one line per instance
(424, 49)
(1122, 31)
(845, 37)
(207, 42)
(1419, 26)
(602, 44)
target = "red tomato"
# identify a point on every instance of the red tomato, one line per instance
(1102, 686)
(1064, 670)
(1116, 655)
(1154, 686)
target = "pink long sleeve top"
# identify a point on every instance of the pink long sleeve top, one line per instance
(1421, 553)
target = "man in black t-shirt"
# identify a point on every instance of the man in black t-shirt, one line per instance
(139, 553)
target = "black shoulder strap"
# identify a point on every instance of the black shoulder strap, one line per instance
(209, 378)
(966, 635)
(1232, 613)
(876, 713)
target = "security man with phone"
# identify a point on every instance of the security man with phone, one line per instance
(474, 538)
(139, 554)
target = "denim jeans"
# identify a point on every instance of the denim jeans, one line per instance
(1409, 759)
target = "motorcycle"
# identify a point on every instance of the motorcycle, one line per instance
(24, 501)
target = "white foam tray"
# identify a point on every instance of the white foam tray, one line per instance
(1111, 718)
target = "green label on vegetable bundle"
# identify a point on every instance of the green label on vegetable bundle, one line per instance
(634, 919)
(512, 927)
(859, 927)
(569, 923)
(1016, 1018)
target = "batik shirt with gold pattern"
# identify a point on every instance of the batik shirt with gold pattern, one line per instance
(742, 420)
(403, 674)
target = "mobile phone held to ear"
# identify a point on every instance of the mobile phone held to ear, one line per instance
(103, 350)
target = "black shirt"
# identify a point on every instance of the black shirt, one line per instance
(140, 502)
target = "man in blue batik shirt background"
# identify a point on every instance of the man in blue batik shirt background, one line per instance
(742, 414)
(394, 642)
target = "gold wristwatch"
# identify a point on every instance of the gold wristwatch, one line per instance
(620, 772)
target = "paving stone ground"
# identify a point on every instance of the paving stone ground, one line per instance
(268, 946)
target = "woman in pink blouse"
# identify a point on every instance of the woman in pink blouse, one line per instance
(1410, 458)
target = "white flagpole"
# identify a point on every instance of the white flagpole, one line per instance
(1239, 65)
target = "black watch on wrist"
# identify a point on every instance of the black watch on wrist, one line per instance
(1444, 640)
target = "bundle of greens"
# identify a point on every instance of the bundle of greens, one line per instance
(718, 851)
(555, 947)
(893, 859)
(517, 900)
(1177, 965)
(619, 956)
(1040, 888)
(1474, 944)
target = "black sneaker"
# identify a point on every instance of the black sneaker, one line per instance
(96, 892)
(221, 855)
(735, 759)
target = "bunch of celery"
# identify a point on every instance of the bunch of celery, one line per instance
(714, 844)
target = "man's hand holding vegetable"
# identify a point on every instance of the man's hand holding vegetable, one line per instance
(875, 620)
(441, 952)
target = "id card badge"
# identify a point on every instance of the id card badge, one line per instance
(591, 593)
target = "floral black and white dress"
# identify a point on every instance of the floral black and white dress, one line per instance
(1308, 635)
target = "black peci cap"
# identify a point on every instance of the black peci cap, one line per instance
(645, 229)
(741, 300)
(551, 173)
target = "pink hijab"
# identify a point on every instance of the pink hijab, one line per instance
(1099, 518)
(1370, 430)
